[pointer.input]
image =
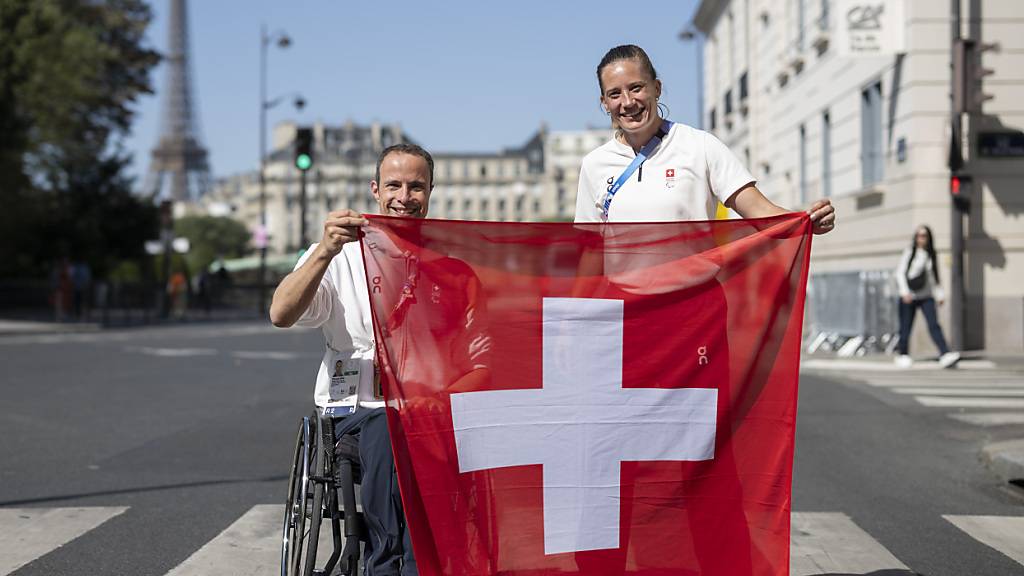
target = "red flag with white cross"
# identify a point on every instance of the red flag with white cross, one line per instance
(592, 398)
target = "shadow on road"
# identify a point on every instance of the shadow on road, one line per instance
(143, 489)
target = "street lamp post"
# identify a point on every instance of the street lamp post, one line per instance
(283, 41)
(691, 34)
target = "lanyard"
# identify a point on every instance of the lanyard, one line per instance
(646, 151)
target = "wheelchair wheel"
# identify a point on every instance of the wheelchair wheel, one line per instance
(303, 506)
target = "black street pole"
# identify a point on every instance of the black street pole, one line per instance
(303, 242)
(956, 229)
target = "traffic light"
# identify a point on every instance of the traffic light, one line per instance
(960, 188)
(304, 148)
(968, 75)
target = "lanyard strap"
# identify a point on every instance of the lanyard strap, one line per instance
(640, 158)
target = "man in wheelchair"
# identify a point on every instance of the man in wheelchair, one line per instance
(328, 289)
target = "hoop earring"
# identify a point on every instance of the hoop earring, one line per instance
(663, 110)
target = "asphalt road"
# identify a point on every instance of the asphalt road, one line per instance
(189, 427)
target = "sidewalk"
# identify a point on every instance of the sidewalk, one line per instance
(973, 360)
(1006, 457)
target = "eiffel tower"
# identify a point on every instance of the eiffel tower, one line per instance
(178, 156)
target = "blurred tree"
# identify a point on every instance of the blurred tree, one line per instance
(70, 71)
(212, 237)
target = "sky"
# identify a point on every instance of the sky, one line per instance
(458, 76)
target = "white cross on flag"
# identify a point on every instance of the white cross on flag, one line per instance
(592, 399)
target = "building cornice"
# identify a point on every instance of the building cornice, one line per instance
(707, 14)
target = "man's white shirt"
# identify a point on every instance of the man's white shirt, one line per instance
(684, 179)
(341, 308)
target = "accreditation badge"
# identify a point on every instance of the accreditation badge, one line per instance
(344, 378)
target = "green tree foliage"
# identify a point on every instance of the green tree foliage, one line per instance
(211, 237)
(70, 72)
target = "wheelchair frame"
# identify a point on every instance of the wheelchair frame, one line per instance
(313, 493)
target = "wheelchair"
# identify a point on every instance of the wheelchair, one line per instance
(316, 483)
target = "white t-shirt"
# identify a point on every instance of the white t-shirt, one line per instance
(341, 308)
(683, 179)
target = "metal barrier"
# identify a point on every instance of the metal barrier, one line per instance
(852, 313)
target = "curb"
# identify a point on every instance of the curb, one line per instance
(1006, 458)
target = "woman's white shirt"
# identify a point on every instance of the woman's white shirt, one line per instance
(683, 179)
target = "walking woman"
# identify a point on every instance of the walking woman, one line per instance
(918, 279)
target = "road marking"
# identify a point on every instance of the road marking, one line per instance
(830, 543)
(264, 355)
(991, 418)
(1004, 533)
(889, 366)
(951, 391)
(251, 546)
(28, 533)
(172, 352)
(974, 379)
(959, 402)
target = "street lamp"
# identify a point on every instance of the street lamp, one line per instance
(691, 34)
(283, 41)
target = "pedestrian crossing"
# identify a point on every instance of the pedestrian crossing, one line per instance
(28, 533)
(981, 396)
(822, 543)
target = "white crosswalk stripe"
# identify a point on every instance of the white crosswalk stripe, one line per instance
(1004, 533)
(28, 533)
(250, 546)
(831, 543)
(980, 397)
(822, 542)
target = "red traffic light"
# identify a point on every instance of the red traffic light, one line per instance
(954, 185)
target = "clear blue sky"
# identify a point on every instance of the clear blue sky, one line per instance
(457, 75)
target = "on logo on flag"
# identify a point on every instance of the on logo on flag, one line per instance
(591, 399)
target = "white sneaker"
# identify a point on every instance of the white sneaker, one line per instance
(949, 359)
(904, 361)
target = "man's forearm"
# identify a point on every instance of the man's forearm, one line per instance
(295, 293)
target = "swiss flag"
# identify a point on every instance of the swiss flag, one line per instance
(670, 173)
(592, 398)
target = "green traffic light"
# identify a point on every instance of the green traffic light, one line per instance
(303, 161)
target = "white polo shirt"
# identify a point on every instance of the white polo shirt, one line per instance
(684, 179)
(341, 308)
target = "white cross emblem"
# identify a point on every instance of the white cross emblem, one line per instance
(582, 424)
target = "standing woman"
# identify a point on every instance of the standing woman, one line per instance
(626, 179)
(657, 170)
(918, 281)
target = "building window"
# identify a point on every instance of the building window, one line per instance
(800, 19)
(712, 124)
(483, 170)
(501, 208)
(823, 20)
(728, 104)
(803, 166)
(826, 155)
(743, 87)
(871, 134)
